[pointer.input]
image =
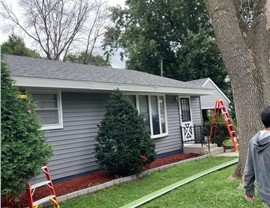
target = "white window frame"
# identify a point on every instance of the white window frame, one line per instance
(58, 125)
(150, 112)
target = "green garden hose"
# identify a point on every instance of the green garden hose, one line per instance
(169, 188)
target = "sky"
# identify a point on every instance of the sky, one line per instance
(115, 60)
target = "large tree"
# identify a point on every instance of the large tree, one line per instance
(242, 30)
(56, 26)
(16, 46)
(174, 35)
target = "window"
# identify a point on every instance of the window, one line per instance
(153, 110)
(144, 111)
(185, 109)
(162, 114)
(49, 109)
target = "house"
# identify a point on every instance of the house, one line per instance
(71, 100)
(208, 102)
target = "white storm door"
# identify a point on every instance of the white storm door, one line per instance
(186, 119)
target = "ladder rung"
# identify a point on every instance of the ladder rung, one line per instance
(43, 183)
(235, 139)
(45, 199)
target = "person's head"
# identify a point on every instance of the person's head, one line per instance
(265, 116)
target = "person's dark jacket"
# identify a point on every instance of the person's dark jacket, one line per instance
(258, 166)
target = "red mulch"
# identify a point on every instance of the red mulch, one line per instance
(83, 182)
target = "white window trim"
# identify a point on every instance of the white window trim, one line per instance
(59, 125)
(150, 116)
(150, 112)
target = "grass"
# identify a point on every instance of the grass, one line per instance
(228, 142)
(200, 193)
(214, 190)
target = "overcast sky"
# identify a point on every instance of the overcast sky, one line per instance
(115, 60)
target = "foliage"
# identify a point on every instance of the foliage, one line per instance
(177, 33)
(23, 148)
(16, 46)
(222, 131)
(84, 58)
(228, 143)
(124, 146)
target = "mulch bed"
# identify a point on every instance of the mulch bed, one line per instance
(83, 182)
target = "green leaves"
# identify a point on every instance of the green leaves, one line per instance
(84, 58)
(15, 46)
(23, 148)
(178, 32)
(124, 146)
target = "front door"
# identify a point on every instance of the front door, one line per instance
(186, 119)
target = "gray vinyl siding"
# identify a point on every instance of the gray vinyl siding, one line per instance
(196, 110)
(208, 101)
(74, 144)
(171, 142)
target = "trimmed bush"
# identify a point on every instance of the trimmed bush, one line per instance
(23, 148)
(124, 146)
(222, 131)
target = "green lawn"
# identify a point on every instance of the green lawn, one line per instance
(214, 190)
(211, 191)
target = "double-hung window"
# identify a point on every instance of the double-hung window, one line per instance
(49, 109)
(152, 108)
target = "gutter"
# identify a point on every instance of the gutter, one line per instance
(30, 82)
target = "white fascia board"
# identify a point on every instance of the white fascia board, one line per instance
(89, 85)
(219, 90)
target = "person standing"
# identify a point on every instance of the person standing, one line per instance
(258, 163)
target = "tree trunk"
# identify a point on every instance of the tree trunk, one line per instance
(246, 57)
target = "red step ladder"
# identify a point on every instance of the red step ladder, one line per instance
(220, 108)
(31, 190)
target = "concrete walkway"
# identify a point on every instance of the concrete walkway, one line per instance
(228, 154)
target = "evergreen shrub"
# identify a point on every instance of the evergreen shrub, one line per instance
(124, 146)
(23, 148)
(222, 131)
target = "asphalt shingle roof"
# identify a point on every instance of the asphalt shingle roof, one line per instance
(199, 82)
(40, 68)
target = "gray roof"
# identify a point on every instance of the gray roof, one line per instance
(40, 68)
(198, 82)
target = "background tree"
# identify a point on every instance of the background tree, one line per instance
(175, 34)
(16, 46)
(95, 29)
(56, 26)
(242, 30)
(23, 151)
(84, 58)
(124, 146)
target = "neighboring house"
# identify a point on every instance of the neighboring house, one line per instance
(71, 100)
(208, 102)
